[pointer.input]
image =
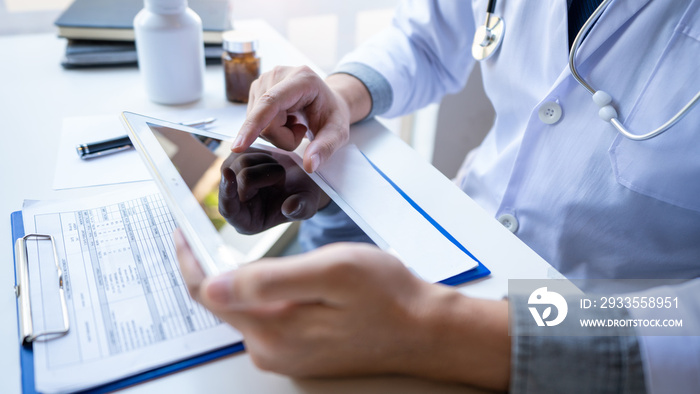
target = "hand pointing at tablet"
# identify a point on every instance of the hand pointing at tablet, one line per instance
(287, 102)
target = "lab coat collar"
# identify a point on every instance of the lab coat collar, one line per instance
(613, 18)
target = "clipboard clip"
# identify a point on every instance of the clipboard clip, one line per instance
(26, 326)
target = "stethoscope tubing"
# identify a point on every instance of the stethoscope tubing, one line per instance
(607, 111)
(614, 120)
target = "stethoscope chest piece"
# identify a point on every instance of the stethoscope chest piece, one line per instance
(488, 37)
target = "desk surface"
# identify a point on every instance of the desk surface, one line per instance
(36, 95)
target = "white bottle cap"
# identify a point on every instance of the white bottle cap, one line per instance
(166, 6)
(236, 41)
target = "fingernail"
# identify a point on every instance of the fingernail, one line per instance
(238, 142)
(315, 162)
(219, 289)
(296, 211)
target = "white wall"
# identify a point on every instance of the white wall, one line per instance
(463, 121)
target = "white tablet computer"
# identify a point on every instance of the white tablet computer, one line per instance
(188, 172)
(186, 164)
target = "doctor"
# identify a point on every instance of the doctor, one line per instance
(593, 203)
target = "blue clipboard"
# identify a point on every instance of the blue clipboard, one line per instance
(26, 355)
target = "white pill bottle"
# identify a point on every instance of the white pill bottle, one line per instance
(170, 51)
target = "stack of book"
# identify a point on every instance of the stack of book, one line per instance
(101, 32)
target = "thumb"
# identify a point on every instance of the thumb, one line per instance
(326, 141)
(303, 278)
(299, 206)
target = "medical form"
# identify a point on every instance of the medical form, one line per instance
(129, 308)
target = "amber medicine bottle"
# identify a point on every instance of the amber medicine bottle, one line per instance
(241, 64)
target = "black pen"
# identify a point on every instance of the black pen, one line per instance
(114, 145)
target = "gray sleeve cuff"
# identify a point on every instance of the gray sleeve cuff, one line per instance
(378, 87)
(574, 364)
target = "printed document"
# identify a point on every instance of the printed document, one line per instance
(129, 308)
(389, 218)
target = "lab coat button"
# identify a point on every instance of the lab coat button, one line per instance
(509, 221)
(549, 112)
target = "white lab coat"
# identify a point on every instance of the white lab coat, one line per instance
(591, 202)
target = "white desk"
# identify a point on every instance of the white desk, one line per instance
(35, 95)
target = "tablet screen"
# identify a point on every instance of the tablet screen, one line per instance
(198, 159)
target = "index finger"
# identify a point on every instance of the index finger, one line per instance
(286, 96)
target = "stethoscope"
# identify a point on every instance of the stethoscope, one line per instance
(488, 38)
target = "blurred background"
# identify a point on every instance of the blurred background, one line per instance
(443, 132)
